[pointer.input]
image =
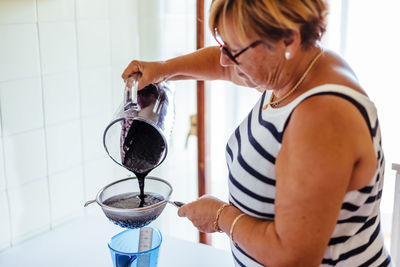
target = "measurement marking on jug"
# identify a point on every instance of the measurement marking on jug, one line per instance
(146, 236)
(145, 240)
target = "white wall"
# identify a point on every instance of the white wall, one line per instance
(60, 67)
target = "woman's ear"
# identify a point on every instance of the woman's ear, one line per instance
(292, 44)
(288, 40)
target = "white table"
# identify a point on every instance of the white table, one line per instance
(83, 243)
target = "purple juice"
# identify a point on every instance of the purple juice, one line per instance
(133, 201)
(141, 150)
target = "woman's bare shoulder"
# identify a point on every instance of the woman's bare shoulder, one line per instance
(333, 69)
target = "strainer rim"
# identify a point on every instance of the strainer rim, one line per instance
(135, 209)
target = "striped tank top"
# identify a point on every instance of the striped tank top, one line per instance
(250, 154)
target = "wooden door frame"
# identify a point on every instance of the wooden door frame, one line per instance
(203, 181)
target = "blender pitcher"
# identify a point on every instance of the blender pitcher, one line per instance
(137, 138)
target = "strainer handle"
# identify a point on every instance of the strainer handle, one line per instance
(177, 204)
(89, 202)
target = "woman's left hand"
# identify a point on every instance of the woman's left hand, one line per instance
(202, 212)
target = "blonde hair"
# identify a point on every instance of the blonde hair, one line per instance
(272, 19)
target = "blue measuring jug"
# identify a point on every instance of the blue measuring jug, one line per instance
(136, 247)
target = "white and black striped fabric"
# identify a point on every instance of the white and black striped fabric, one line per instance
(250, 154)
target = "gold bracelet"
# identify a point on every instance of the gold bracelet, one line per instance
(233, 225)
(216, 227)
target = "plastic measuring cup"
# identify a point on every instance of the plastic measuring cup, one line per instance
(136, 247)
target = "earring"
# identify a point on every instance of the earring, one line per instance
(287, 55)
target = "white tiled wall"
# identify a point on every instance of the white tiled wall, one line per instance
(55, 101)
(58, 51)
(92, 9)
(92, 136)
(23, 11)
(5, 230)
(93, 43)
(21, 105)
(66, 194)
(19, 51)
(24, 157)
(95, 91)
(2, 177)
(63, 146)
(98, 173)
(60, 68)
(55, 10)
(123, 37)
(29, 209)
(61, 97)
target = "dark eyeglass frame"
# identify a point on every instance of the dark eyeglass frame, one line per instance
(228, 53)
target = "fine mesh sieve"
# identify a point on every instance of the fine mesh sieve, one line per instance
(134, 217)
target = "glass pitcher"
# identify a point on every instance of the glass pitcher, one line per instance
(137, 138)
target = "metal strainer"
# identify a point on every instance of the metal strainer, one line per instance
(137, 217)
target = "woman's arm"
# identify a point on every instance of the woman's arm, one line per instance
(204, 64)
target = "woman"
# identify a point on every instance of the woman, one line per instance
(306, 165)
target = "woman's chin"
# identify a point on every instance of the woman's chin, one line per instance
(261, 89)
(247, 80)
(249, 83)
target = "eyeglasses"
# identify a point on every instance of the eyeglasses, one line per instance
(228, 53)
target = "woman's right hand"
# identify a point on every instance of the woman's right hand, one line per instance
(152, 72)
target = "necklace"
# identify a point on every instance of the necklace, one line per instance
(273, 103)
